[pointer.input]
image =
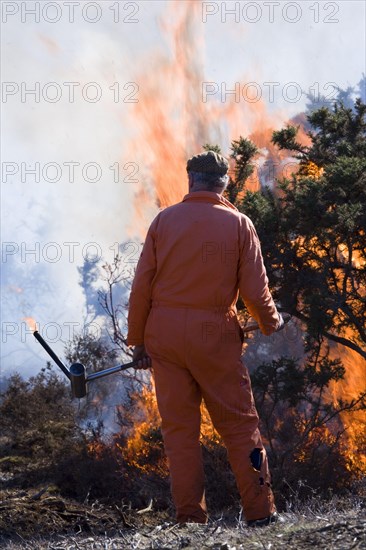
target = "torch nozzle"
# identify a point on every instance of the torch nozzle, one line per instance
(77, 373)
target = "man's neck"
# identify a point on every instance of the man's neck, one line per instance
(197, 188)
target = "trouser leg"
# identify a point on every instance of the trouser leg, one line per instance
(238, 426)
(226, 389)
(179, 399)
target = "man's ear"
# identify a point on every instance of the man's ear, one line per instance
(190, 181)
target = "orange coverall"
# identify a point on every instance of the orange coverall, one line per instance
(197, 256)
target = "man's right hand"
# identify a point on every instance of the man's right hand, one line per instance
(282, 322)
(139, 354)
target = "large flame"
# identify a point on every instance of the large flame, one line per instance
(354, 423)
(143, 447)
(172, 121)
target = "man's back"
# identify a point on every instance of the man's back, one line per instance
(199, 254)
(198, 244)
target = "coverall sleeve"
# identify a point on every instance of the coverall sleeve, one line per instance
(253, 280)
(140, 297)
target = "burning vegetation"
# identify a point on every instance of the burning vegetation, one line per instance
(312, 409)
(311, 225)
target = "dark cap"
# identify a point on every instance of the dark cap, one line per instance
(209, 163)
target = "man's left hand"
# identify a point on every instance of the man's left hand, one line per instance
(139, 354)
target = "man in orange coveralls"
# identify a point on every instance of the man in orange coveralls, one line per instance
(198, 255)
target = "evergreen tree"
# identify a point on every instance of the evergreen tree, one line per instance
(313, 227)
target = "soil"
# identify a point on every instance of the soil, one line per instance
(39, 519)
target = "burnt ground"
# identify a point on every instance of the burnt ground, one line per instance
(43, 520)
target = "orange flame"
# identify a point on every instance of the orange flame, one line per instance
(143, 449)
(32, 323)
(350, 388)
(310, 170)
(173, 119)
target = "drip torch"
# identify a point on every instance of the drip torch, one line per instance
(77, 372)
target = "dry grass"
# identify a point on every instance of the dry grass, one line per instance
(63, 490)
(42, 520)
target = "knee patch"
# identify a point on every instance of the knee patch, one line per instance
(256, 459)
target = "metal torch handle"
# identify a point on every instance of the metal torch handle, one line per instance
(107, 372)
(254, 326)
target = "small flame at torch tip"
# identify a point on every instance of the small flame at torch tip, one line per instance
(31, 323)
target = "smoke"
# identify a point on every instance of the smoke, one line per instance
(52, 228)
(59, 230)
